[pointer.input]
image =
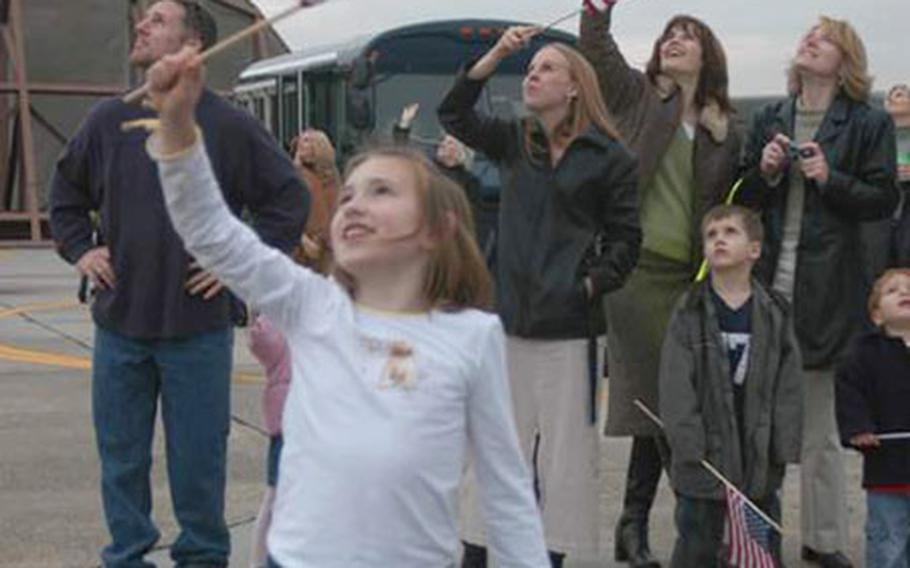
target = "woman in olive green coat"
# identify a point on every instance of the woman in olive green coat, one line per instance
(676, 116)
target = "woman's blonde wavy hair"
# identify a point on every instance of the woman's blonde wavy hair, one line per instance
(854, 69)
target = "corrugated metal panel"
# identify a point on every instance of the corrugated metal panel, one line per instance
(86, 42)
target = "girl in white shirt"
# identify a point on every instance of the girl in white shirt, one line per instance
(395, 368)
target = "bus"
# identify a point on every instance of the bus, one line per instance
(354, 91)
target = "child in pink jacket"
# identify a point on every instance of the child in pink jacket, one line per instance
(270, 348)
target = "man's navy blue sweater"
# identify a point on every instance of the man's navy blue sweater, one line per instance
(107, 170)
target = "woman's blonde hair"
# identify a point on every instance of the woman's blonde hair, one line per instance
(323, 155)
(854, 69)
(457, 276)
(587, 107)
(323, 179)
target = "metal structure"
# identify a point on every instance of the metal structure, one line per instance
(32, 134)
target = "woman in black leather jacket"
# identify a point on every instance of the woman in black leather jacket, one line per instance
(819, 163)
(568, 234)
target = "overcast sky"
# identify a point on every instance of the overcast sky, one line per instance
(759, 35)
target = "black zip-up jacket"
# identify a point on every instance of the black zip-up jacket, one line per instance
(873, 390)
(557, 225)
(858, 142)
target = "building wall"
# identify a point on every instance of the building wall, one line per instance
(87, 42)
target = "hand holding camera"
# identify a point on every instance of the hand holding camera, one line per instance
(813, 163)
(774, 156)
(781, 151)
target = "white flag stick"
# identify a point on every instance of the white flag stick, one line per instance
(894, 436)
(562, 19)
(713, 470)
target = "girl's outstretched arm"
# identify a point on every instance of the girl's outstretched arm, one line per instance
(175, 86)
(259, 274)
(506, 494)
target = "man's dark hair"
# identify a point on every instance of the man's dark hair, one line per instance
(199, 21)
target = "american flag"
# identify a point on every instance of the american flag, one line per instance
(749, 534)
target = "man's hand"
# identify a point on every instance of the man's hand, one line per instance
(202, 282)
(95, 264)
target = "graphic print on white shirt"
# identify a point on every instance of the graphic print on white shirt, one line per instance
(400, 369)
(737, 345)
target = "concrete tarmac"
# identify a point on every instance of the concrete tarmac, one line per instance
(50, 509)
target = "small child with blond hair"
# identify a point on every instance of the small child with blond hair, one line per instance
(873, 390)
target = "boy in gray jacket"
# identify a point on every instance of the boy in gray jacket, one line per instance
(729, 389)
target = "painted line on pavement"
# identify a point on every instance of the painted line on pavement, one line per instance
(19, 355)
(39, 307)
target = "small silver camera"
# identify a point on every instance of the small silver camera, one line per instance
(797, 153)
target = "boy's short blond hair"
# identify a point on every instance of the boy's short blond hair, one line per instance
(750, 220)
(875, 297)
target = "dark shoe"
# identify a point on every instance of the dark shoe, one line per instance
(826, 559)
(632, 546)
(474, 556)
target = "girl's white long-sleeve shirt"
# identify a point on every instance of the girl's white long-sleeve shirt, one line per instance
(381, 408)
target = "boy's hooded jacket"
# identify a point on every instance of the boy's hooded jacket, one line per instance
(696, 398)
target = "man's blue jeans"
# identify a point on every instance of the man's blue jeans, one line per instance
(887, 530)
(192, 378)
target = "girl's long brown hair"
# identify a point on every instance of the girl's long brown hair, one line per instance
(586, 108)
(713, 80)
(457, 276)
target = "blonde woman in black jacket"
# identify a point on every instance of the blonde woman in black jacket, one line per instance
(818, 164)
(568, 234)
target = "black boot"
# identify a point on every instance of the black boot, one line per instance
(642, 478)
(632, 545)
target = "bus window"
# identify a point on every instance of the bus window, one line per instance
(290, 117)
(324, 98)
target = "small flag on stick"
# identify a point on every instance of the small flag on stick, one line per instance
(749, 534)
